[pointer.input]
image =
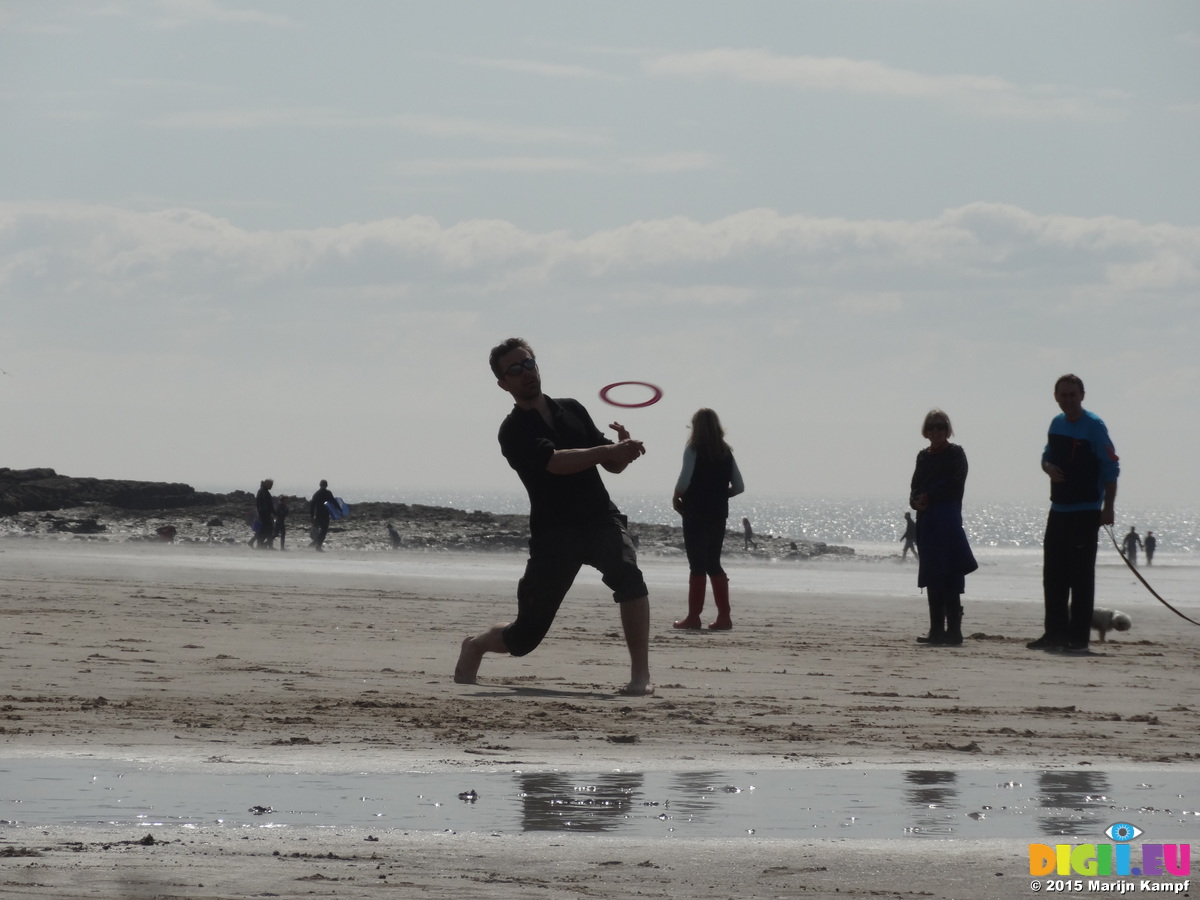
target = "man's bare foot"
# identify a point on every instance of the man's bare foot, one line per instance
(469, 658)
(634, 689)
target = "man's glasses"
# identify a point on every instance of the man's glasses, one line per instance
(526, 365)
(937, 426)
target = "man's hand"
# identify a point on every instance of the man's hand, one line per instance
(622, 433)
(626, 451)
(920, 502)
(1055, 473)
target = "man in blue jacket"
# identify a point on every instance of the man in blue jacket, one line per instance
(1083, 468)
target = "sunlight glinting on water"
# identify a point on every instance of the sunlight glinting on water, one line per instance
(846, 522)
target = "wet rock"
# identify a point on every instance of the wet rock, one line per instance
(77, 526)
(145, 511)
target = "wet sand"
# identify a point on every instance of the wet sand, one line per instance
(343, 663)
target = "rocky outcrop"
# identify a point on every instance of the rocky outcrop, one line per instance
(35, 490)
(42, 503)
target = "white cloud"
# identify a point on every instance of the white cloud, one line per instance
(51, 249)
(984, 96)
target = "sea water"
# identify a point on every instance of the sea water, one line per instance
(843, 803)
(866, 525)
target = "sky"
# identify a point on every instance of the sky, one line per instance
(242, 239)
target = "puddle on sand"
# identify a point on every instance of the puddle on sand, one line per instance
(842, 803)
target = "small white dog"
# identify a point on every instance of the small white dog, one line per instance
(1106, 620)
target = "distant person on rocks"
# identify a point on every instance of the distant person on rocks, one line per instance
(281, 514)
(944, 557)
(264, 507)
(1151, 545)
(319, 513)
(1131, 542)
(394, 535)
(910, 537)
(1083, 469)
(748, 535)
(708, 479)
(556, 450)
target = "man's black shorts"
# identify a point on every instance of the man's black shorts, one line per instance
(555, 558)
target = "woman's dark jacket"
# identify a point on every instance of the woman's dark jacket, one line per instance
(945, 555)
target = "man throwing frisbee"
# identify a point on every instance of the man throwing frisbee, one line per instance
(556, 449)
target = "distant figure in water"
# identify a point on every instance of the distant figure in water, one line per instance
(1151, 544)
(708, 479)
(1131, 542)
(394, 535)
(910, 537)
(748, 534)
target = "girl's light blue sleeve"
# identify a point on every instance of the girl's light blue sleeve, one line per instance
(735, 480)
(689, 466)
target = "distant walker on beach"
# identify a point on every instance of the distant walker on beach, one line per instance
(264, 508)
(555, 449)
(319, 513)
(281, 514)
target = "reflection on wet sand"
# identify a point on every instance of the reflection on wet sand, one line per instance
(852, 803)
(1078, 800)
(554, 802)
(932, 793)
(693, 795)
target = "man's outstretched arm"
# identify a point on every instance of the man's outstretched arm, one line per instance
(613, 457)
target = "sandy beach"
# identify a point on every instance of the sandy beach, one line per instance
(202, 657)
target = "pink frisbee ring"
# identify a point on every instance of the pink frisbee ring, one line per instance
(656, 396)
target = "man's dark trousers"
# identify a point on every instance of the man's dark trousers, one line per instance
(1069, 574)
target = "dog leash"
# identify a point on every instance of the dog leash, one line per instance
(1133, 569)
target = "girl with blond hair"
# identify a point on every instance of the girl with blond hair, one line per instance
(708, 479)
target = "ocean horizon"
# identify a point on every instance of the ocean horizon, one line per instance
(860, 523)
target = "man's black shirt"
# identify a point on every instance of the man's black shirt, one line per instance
(528, 443)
